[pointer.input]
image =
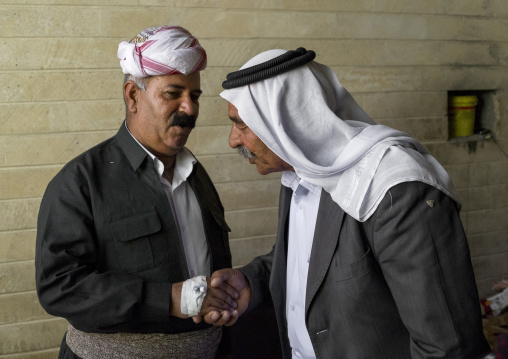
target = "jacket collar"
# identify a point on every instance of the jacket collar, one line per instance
(134, 152)
(326, 238)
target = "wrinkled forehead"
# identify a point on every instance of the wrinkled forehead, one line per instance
(191, 82)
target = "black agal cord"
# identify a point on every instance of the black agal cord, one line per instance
(278, 65)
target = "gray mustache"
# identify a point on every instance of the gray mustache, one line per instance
(244, 152)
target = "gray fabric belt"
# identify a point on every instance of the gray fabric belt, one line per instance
(200, 344)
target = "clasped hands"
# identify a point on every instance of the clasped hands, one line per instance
(227, 298)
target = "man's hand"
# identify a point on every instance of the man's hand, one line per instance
(218, 299)
(221, 298)
(240, 284)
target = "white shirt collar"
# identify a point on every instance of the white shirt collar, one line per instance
(184, 163)
(291, 180)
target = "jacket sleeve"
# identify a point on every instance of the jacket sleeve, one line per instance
(68, 282)
(422, 250)
(258, 273)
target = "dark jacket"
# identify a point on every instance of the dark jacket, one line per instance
(108, 248)
(399, 285)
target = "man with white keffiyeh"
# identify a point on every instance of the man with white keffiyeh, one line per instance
(371, 260)
(130, 231)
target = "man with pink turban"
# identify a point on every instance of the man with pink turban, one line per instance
(130, 231)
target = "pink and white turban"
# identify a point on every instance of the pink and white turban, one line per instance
(162, 50)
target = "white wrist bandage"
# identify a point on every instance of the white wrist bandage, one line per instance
(193, 293)
(499, 302)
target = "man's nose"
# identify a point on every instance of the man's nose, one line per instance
(234, 137)
(188, 106)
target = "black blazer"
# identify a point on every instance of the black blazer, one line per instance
(107, 245)
(399, 285)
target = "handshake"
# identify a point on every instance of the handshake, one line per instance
(227, 297)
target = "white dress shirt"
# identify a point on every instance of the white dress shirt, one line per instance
(186, 211)
(302, 223)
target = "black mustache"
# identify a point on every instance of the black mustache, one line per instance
(183, 120)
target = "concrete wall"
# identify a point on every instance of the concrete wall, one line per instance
(60, 94)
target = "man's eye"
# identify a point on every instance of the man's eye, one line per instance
(195, 97)
(173, 94)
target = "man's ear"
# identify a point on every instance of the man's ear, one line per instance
(130, 94)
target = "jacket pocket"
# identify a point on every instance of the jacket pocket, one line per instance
(359, 267)
(132, 240)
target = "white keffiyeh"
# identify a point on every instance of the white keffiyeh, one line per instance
(310, 120)
(161, 50)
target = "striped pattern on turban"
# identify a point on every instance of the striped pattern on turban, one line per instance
(162, 50)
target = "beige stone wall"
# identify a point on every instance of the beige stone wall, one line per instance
(61, 93)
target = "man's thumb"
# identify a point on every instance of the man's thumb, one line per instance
(220, 276)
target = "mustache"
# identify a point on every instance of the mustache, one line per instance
(183, 119)
(245, 152)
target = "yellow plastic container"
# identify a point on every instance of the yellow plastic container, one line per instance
(462, 114)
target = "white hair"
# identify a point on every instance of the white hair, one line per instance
(140, 83)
